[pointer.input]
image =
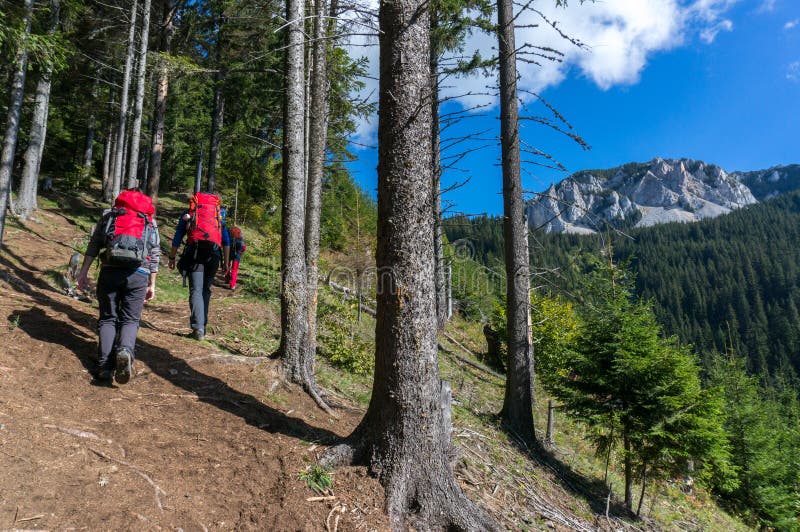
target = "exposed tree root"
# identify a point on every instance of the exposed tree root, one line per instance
(228, 359)
(416, 496)
(312, 390)
(156, 487)
(303, 377)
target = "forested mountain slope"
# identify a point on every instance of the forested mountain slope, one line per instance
(732, 279)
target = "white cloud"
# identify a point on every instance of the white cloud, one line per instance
(620, 37)
(709, 34)
(791, 24)
(709, 10)
(793, 72)
(767, 5)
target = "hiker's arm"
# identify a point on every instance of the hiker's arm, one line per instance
(83, 274)
(226, 250)
(151, 288)
(172, 253)
(96, 243)
(180, 231)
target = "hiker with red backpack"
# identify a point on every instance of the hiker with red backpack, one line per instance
(207, 246)
(128, 236)
(237, 249)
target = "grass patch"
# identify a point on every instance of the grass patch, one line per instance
(318, 478)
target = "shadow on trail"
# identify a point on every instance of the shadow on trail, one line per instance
(161, 362)
(39, 326)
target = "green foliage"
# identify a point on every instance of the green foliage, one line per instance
(554, 325)
(475, 287)
(763, 430)
(732, 279)
(318, 478)
(630, 385)
(349, 215)
(344, 346)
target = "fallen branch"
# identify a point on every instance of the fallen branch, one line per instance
(472, 363)
(228, 359)
(349, 294)
(336, 522)
(35, 517)
(317, 499)
(156, 487)
(78, 433)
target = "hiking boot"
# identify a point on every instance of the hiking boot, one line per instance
(198, 334)
(123, 365)
(104, 375)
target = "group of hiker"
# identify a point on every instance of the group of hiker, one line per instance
(127, 242)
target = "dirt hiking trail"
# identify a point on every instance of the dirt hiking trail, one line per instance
(192, 442)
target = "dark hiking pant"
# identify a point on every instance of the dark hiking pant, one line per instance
(201, 275)
(120, 293)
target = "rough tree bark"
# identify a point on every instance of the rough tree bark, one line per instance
(160, 112)
(119, 155)
(217, 118)
(294, 294)
(317, 142)
(517, 405)
(29, 182)
(107, 155)
(110, 149)
(436, 168)
(138, 104)
(405, 436)
(218, 113)
(12, 117)
(91, 125)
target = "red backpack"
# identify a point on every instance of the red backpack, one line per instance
(129, 229)
(205, 220)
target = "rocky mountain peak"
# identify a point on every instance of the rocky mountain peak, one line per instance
(638, 194)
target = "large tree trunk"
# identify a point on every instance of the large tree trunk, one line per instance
(517, 405)
(217, 118)
(91, 124)
(317, 142)
(436, 168)
(138, 104)
(107, 155)
(160, 113)
(28, 188)
(294, 294)
(12, 118)
(110, 151)
(120, 148)
(405, 435)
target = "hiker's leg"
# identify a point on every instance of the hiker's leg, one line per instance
(107, 299)
(130, 311)
(234, 273)
(210, 272)
(197, 310)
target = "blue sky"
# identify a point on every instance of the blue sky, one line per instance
(717, 80)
